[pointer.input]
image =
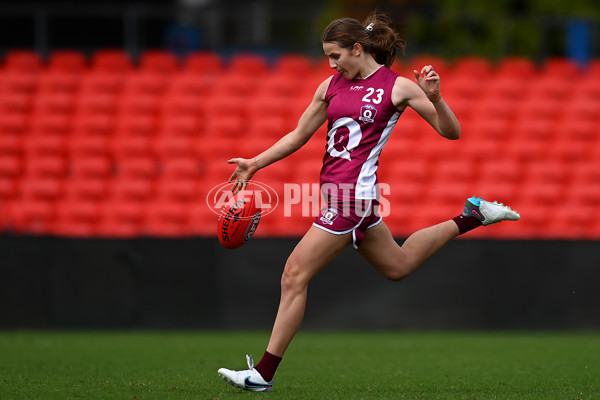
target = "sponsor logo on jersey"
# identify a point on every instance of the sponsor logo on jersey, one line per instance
(355, 88)
(368, 113)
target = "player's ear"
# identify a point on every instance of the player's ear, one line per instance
(357, 49)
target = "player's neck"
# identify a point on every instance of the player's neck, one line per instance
(368, 70)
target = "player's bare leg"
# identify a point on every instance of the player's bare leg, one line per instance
(395, 262)
(316, 249)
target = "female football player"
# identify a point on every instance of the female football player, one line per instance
(361, 102)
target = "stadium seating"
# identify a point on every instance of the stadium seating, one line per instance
(111, 147)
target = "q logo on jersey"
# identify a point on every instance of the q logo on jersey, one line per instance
(367, 113)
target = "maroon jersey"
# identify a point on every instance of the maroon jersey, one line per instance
(360, 117)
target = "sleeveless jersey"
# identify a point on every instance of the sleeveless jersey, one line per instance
(360, 117)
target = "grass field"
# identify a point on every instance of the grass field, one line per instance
(171, 365)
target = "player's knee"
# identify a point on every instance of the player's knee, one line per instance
(292, 278)
(396, 275)
(396, 272)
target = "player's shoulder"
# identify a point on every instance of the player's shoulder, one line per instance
(323, 87)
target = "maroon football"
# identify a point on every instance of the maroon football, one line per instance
(238, 220)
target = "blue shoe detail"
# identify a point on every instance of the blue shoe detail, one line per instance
(476, 201)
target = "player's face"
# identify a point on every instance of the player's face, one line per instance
(342, 60)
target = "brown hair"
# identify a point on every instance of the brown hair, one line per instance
(375, 34)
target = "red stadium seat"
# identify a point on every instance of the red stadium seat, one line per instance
(8, 191)
(15, 103)
(517, 68)
(10, 165)
(54, 103)
(453, 170)
(171, 147)
(560, 67)
(125, 147)
(494, 108)
(551, 86)
(585, 173)
(574, 222)
(96, 104)
(580, 112)
(120, 218)
(526, 150)
(145, 82)
(45, 145)
(186, 167)
(84, 188)
(46, 166)
(270, 126)
(84, 146)
(139, 105)
(101, 82)
(58, 82)
(159, 61)
(49, 123)
(540, 108)
(32, 216)
(238, 85)
(111, 60)
(130, 187)
(587, 195)
(18, 82)
(71, 61)
(11, 144)
(462, 85)
(546, 171)
(44, 188)
(293, 66)
(191, 84)
(542, 194)
(202, 220)
(93, 125)
(472, 67)
(23, 60)
(181, 105)
(91, 166)
(180, 189)
(14, 124)
(506, 87)
(166, 219)
(179, 125)
(247, 64)
(76, 218)
(204, 63)
(143, 167)
(135, 125)
(220, 126)
(280, 85)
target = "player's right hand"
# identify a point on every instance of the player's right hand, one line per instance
(242, 174)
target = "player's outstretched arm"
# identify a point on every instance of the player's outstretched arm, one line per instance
(311, 120)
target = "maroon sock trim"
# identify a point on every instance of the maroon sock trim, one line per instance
(267, 366)
(465, 224)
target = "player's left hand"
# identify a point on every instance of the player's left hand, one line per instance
(429, 81)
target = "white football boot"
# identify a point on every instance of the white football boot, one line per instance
(489, 213)
(248, 379)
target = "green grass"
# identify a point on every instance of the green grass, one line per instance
(171, 365)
